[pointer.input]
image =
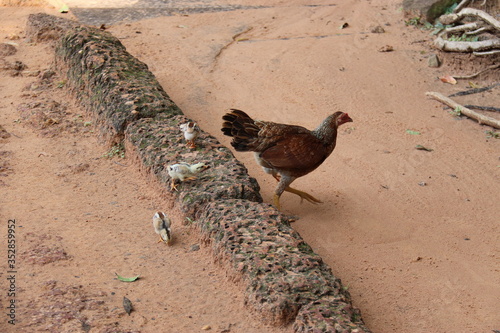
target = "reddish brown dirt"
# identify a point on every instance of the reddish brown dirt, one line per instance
(416, 258)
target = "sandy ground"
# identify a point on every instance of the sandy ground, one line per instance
(413, 234)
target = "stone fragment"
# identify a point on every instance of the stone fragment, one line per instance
(434, 61)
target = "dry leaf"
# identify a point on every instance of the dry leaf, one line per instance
(127, 305)
(420, 147)
(448, 79)
(386, 48)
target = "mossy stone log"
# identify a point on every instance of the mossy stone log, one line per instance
(43, 27)
(282, 274)
(111, 83)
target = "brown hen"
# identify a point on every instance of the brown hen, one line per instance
(284, 151)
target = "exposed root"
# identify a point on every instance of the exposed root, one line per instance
(465, 111)
(485, 22)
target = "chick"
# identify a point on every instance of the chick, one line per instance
(184, 171)
(161, 223)
(191, 132)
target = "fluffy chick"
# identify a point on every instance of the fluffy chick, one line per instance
(184, 171)
(161, 224)
(191, 132)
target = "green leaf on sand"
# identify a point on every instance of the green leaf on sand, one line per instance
(124, 279)
(412, 132)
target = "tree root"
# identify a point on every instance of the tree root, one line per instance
(467, 12)
(495, 66)
(485, 23)
(474, 91)
(484, 108)
(465, 111)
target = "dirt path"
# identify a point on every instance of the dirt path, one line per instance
(413, 234)
(415, 258)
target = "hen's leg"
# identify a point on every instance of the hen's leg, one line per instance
(276, 176)
(276, 201)
(283, 183)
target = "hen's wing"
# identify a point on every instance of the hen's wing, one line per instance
(296, 151)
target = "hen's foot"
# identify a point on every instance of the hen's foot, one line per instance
(303, 195)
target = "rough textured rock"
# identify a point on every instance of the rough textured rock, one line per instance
(43, 27)
(285, 280)
(328, 315)
(7, 50)
(434, 61)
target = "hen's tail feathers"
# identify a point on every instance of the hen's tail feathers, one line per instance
(241, 127)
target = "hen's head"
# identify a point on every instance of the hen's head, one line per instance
(341, 118)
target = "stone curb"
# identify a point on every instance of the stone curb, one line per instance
(285, 281)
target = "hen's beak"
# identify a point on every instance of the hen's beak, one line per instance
(345, 119)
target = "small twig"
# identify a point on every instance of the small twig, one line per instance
(477, 31)
(465, 28)
(17, 136)
(483, 108)
(452, 18)
(419, 41)
(461, 5)
(474, 91)
(123, 165)
(486, 53)
(476, 74)
(463, 110)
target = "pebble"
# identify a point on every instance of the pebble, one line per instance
(378, 30)
(386, 48)
(434, 61)
(7, 50)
